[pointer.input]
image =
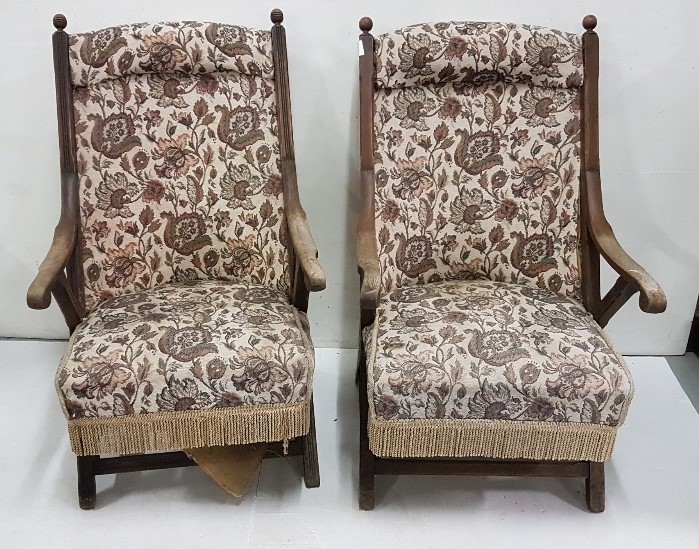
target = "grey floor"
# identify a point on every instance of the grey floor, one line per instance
(651, 482)
(686, 370)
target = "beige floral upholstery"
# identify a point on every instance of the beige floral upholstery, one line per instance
(190, 338)
(178, 157)
(478, 53)
(187, 47)
(493, 352)
(214, 346)
(477, 130)
(481, 346)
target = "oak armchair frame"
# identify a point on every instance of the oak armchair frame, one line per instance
(596, 237)
(60, 274)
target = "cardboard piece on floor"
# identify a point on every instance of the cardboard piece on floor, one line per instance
(232, 467)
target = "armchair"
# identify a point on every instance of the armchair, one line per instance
(183, 260)
(479, 241)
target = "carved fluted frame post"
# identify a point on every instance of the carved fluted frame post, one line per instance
(52, 278)
(67, 148)
(367, 254)
(597, 237)
(306, 274)
(589, 256)
(368, 262)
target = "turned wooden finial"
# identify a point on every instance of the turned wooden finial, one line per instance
(589, 22)
(365, 24)
(60, 21)
(277, 16)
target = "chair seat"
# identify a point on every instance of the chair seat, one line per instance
(235, 359)
(503, 360)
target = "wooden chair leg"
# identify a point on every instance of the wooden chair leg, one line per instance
(311, 471)
(87, 488)
(366, 458)
(361, 359)
(366, 479)
(594, 487)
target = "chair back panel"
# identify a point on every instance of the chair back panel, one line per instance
(477, 155)
(178, 157)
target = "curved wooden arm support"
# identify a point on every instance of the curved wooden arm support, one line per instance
(367, 252)
(38, 296)
(632, 277)
(39, 293)
(305, 250)
(615, 299)
(368, 267)
(51, 277)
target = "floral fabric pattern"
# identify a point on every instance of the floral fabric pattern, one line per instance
(475, 54)
(188, 346)
(178, 158)
(477, 178)
(492, 351)
(180, 47)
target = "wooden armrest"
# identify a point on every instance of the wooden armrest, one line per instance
(306, 251)
(652, 298)
(367, 252)
(299, 231)
(51, 269)
(369, 270)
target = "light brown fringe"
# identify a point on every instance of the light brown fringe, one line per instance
(188, 429)
(491, 439)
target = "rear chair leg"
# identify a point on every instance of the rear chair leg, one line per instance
(361, 359)
(311, 472)
(366, 458)
(366, 479)
(594, 487)
(87, 489)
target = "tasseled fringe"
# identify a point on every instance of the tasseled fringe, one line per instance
(188, 429)
(491, 439)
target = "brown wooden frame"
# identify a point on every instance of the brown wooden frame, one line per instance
(60, 274)
(597, 238)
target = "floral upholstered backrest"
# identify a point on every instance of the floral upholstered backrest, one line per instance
(477, 154)
(178, 157)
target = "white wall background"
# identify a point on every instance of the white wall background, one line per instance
(649, 101)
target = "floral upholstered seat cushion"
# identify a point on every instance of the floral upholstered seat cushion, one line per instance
(482, 350)
(195, 346)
